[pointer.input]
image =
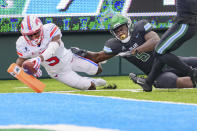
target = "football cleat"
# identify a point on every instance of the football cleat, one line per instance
(113, 86)
(140, 81)
(146, 87)
(136, 79)
(99, 82)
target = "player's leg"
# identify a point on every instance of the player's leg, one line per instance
(170, 41)
(191, 61)
(74, 80)
(81, 64)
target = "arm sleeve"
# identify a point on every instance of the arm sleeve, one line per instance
(143, 26)
(112, 46)
(53, 30)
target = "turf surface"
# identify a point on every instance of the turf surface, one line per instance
(124, 85)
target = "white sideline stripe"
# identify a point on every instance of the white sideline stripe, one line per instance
(131, 99)
(56, 127)
(132, 90)
(21, 87)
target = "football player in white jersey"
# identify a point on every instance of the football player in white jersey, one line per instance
(42, 45)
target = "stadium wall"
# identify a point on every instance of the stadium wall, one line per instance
(92, 41)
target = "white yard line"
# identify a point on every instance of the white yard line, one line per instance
(56, 127)
(131, 90)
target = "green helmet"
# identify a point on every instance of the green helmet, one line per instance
(118, 20)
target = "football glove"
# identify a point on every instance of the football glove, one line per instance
(38, 73)
(36, 61)
(77, 51)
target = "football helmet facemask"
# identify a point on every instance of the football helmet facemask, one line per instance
(120, 20)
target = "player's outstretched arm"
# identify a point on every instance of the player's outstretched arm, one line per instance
(152, 39)
(94, 56)
(98, 56)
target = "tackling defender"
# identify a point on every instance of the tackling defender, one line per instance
(42, 45)
(135, 43)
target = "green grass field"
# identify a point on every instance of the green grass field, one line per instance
(124, 90)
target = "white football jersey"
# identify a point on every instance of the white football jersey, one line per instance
(56, 63)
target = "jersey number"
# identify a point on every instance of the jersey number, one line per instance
(143, 56)
(53, 61)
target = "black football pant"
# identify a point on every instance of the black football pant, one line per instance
(168, 76)
(172, 39)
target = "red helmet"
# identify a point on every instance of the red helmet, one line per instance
(32, 25)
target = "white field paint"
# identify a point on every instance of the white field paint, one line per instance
(55, 127)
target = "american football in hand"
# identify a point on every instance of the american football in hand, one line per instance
(28, 67)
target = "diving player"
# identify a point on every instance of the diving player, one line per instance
(42, 45)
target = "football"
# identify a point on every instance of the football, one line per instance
(28, 67)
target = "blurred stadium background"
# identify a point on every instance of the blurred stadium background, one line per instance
(85, 24)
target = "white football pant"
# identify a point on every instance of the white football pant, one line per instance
(69, 76)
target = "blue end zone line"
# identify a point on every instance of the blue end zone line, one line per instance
(95, 111)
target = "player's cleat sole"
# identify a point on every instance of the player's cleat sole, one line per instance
(138, 80)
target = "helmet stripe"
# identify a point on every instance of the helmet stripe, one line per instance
(28, 23)
(53, 31)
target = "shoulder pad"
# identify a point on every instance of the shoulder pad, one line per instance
(52, 30)
(21, 47)
(143, 26)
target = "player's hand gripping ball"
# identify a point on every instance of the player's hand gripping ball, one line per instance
(28, 67)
